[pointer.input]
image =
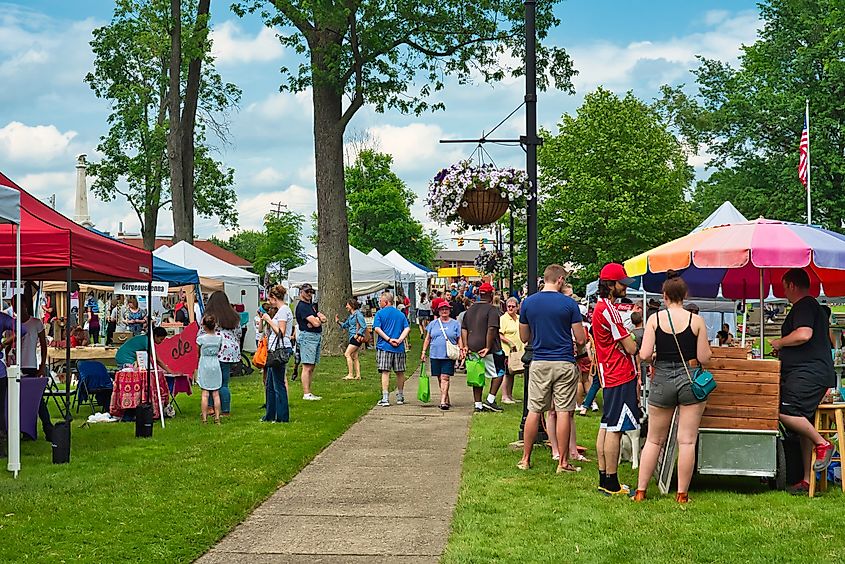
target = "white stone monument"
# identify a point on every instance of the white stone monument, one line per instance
(80, 210)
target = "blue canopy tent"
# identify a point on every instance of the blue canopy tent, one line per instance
(173, 274)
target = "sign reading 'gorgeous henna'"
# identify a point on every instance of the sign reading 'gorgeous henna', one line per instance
(179, 353)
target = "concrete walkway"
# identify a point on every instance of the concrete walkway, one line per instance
(383, 492)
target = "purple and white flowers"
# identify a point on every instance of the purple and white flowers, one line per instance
(446, 190)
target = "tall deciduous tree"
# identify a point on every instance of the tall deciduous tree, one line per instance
(371, 52)
(379, 213)
(613, 182)
(131, 71)
(750, 117)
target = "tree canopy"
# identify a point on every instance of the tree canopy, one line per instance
(612, 183)
(379, 210)
(750, 117)
(131, 57)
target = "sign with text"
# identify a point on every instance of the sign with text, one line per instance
(140, 288)
(179, 353)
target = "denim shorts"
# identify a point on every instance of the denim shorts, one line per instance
(671, 386)
(309, 347)
(442, 367)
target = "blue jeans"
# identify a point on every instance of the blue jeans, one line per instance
(593, 391)
(276, 395)
(225, 393)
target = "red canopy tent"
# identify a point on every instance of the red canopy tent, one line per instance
(52, 247)
(51, 244)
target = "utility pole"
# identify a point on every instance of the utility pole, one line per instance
(278, 210)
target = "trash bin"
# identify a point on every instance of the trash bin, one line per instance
(144, 420)
(60, 439)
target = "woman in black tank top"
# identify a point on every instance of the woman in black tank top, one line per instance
(674, 340)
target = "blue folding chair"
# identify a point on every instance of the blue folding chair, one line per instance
(94, 383)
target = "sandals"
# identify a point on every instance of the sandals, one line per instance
(568, 468)
(524, 465)
(579, 457)
(348, 377)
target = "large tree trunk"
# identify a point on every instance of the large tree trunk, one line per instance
(174, 106)
(334, 275)
(148, 229)
(188, 123)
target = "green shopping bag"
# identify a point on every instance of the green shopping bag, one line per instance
(475, 371)
(423, 389)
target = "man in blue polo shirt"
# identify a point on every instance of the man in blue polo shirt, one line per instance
(392, 328)
(549, 321)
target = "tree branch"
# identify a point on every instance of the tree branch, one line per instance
(296, 17)
(358, 66)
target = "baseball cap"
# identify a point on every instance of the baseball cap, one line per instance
(615, 272)
(441, 303)
(486, 288)
(306, 288)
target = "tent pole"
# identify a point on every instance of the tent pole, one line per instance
(762, 318)
(149, 336)
(744, 321)
(13, 376)
(67, 349)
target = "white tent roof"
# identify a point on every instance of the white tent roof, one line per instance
(369, 274)
(375, 254)
(404, 265)
(206, 265)
(726, 214)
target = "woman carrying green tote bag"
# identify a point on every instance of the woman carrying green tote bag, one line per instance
(475, 370)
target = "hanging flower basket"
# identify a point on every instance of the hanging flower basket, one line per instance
(464, 195)
(482, 206)
(492, 262)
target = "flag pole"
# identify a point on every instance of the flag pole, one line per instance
(809, 200)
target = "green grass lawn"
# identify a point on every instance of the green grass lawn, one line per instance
(170, 498)
(504, 515)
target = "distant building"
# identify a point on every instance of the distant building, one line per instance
(202, 244)
(451, 265)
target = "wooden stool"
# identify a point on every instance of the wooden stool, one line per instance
(828, 415)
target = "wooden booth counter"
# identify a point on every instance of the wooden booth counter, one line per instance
(738, 435)
(747, 394)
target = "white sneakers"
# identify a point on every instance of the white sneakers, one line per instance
(311, 397)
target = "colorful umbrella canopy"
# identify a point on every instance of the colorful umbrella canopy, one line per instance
(735, 259)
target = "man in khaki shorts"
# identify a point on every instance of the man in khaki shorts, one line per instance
(550, 321)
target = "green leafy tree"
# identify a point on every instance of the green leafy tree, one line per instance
(244, 243)
(131, 57)
(612, 185)
(750, 117)
(372, 52)
(379, 210)
(281, 248)
(272, 251)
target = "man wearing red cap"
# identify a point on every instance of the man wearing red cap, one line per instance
(617, 372)
(480, 334)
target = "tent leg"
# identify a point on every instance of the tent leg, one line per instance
(67, 349)
(13, 376)
(762, 319)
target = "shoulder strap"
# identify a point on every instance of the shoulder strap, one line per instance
(443, 330)
(677, 344)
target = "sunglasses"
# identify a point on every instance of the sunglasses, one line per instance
(511, 306)
(307, 291)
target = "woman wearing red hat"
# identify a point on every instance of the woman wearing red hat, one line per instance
(438, 332)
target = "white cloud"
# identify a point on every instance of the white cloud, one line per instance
(268, 177)
(230, 45)
(282, 105)
(620, 66)
(252, 209)
(414, 146)
(24, 143)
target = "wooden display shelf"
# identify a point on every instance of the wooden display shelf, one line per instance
(747, 394)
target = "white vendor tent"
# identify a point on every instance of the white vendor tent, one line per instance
(420, 276)
(726, 214)
(241, 286)
(369, 274)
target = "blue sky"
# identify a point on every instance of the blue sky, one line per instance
(48, 115)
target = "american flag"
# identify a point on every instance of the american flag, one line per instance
(804, 151)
